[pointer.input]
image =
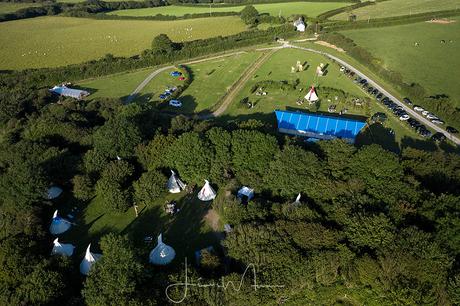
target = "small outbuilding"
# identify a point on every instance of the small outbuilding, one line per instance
(300, 25)
(69, 92)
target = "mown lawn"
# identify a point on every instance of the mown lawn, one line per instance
(432, 64)
(311, 9)
(392, 8)
(186, 232)
(59, 41)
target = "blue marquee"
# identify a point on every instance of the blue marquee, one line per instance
(318, 126)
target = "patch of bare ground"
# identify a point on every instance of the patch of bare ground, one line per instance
(441, 21)
(326, 44)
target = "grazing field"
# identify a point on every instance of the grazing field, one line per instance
(433, 64)
(311, 9)
(211, 80)
(59, 41)
(186, 232)
(392, 8)
(10, 7)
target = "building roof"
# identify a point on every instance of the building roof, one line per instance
(69, 92)
(317, 126)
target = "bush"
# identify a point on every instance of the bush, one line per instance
(149, 187)
(82, 187)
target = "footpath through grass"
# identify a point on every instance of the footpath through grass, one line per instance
(59, 41)
(311, 9)
(434, 63)
(392, 8)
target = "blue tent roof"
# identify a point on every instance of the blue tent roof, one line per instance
(317, 126)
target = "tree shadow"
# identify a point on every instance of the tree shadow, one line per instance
(377, 133)
(425, 145)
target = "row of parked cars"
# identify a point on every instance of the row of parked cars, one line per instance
(402, 114)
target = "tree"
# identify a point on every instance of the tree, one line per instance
(154, 154)
(114, 278)
(370, 231)
(162, 44)
(113, 197)
(221, 163)
(82, 187)
(249, 15)
(149, 187)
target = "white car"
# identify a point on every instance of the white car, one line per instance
(404, 117)
(342, 69)
(418, 109)
(432, 117)
(437, 121)
(425, 113)
(175, 103)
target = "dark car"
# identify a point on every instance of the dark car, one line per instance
(424, 132)
(451, 130)
(352, 74)
(375, 92)
(370, 89)
(379, 97)
(162, 96)
(407, 101)
(438, 137)
(363, 81)
(385, 99)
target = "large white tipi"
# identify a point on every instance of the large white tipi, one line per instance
(62, 248)
(162, 254)
(311, 96)
(206, 193)
(59, 225)
(175, 185)
(88, 261)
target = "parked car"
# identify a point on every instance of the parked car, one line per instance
(418, 108)
(162, 96)
(342, 69)
(407, 101)
(438, 137)
(357, 80)
(451, 130)
(375, 92)
(363, 81)
(404, 117)
(175, 103)
(425, 113)
(431, 117)
(424, 132)
(437, 121)
(379, 97)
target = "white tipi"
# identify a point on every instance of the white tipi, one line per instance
(88, 261)
(311, 96)
(62, 248)
(162, 254)
(58, 225)
(297, 200)
(175, 185)
(206, 193)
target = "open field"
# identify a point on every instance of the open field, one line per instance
(311, 9)
(186, 232)
(10, 7)
(392, 8)
(59, 41)
(432, 64)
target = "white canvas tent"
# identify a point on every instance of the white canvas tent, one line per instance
(53, 192)
(162, 254)
(175, 185)
(299, 25)
(311, 96)
(245, 191)
(69, 92)
(59, 225)
(88, 261)
(297, 200)
(206, 193)
(65, 249)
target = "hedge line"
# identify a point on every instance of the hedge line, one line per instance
(227, 3)
(161, 17)
(331, 13)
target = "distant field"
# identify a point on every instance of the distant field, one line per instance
(432, 64)
(400, 7)
(9, 7)
(58, 41)
(311, 9)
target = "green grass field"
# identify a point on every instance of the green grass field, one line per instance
(392, 8)
(211, 80)
(58, 41)
(186, 232)
(311, 9)
(10, 7)
(432, 64)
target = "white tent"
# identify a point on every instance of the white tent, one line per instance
(62, 248)
(59, 225)
(206, 193)
(311, 95)
(245, 191)
(297, 200)
(299, 25)
(53, 192)
(175, 185)
(69, 92)
(88, 261)
(162, 254)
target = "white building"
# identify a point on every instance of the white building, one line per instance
(300, 25)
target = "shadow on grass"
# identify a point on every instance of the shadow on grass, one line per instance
(377, 133)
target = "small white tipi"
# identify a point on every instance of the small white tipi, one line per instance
(206, 193)
(88, 261)
(62, 248)
(311, 96)
(175, 185)
(59, 225)
(53, 192)
(297, 200)
(162, 254)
